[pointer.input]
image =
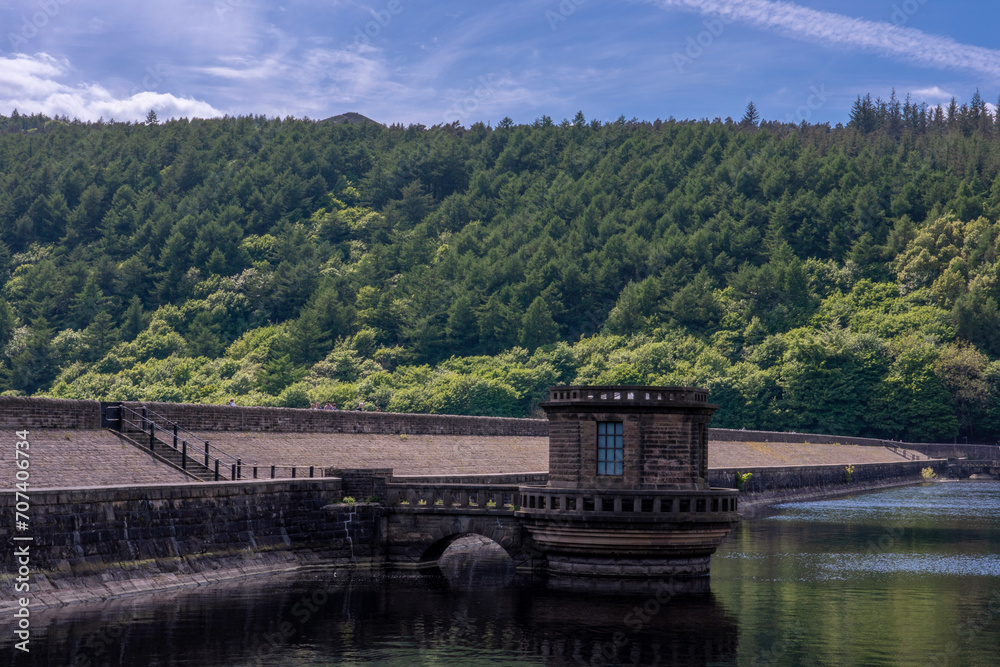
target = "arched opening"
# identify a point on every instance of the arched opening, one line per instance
(470, 560)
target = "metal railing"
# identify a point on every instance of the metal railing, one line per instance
(905, 453)
(195, 451)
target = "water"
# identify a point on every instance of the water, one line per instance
(905, 576)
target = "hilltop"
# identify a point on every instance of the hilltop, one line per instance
(350, 117)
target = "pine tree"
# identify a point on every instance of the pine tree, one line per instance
(87, 303)
(98, 337)
(461, 329)
(35, 366)
(864, 115)
(751, 117)
(135, 320)
(537, 326)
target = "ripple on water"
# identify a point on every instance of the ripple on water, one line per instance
(984, 565)
(978, 504)
(839, 565)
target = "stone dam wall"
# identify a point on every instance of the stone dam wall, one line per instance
(195, 417)
(935, 450)
(19, 412)
(93, 543)
(98, 542)
(43, 413)
(772, 484)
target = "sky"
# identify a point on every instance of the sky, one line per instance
(424, 62)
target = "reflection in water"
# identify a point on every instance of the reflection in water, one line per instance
(881, 579)
(473, 611)
(905, 576)
(473, 562)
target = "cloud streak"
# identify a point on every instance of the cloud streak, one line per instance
(814, 25)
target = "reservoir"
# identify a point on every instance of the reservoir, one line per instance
(903, 576)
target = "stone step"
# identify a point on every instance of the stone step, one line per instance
(194, 466)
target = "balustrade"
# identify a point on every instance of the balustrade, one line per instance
(488, 498)
(714, 504)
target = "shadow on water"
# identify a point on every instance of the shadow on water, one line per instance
(576, 621)
(473, 610)
(892, 578)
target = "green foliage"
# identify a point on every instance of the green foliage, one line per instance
(741, 479)
(294, 396)
(813, 278)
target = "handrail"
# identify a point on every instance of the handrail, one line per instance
(906, 453)
(215, 460)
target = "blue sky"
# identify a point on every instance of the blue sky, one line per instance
(414, 61)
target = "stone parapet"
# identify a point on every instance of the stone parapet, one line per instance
(768, 484)
(21, 412)
(198, 417)
(940, 450)
(131, 532)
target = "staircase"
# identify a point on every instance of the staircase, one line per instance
(907, 454)
(167, 442)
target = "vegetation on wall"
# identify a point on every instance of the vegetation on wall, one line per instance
(838, 280)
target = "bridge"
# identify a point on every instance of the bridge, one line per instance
(626, 494)
(426, 515)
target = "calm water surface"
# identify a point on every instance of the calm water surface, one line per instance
(905, 576)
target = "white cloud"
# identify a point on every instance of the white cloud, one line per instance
(811, 25)
(933, 93)
(31, 84)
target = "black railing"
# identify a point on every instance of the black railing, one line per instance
(215, 461)
(904, 452)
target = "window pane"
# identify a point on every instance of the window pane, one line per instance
(610, 448)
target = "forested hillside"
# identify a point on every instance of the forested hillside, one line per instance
(825, 279)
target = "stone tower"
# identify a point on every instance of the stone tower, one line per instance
(627, 494)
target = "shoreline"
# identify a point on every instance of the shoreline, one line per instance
(52, 591)
(755, 503)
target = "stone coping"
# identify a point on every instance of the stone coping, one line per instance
(163, 491)
(630, 396)
(826, 466)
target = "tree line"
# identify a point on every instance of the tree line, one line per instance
(838, 279)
